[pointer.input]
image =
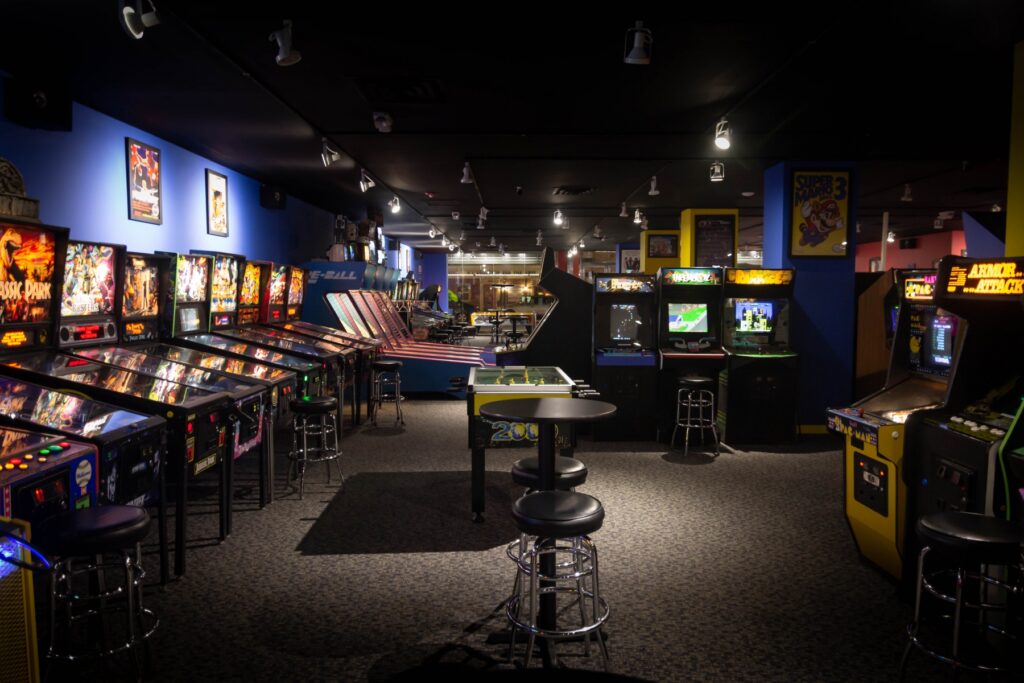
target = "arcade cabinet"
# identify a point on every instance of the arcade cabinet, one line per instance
(757, 389)
(924, 358)
(689, 334)
(625, 362)
(954, 460)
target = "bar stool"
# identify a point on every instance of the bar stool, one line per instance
(315, 418)
(970, 548)
(86, 547)
(551, 516)
(386, 387)
(695, 409)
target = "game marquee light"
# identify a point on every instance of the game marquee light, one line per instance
(999, 278)
(919, 288)
(691, 276)
(26, 274)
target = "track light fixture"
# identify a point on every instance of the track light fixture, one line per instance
(643, 223)
(623, 213)
(382, 121)
(432, 232)
(891, 238)
(286, 56)
(907, 196)
(467, 175)
(480, 224)
(717, 172)
(395, 205)
(582, 245)
(937, 224)
(493, 242)
(365, 181)
(638, 45)
(996, 208)
(540, 238)
(723, 134)
(559, 219)
(137, 16)
(654, 191)
(637, 218)
(451, 247)
(444, 240)
(328, 154)
(598, 235)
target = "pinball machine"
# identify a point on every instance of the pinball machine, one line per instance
(196, 418)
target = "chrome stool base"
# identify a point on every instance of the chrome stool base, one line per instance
(699, 406)
(386, 389)
(323, 430)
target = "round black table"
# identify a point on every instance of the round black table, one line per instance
(548, 412)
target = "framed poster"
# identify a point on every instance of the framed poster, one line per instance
(629, 261)
(144, 202)
(216, 203)
(714, 240)
(663, 246)
(821, 214)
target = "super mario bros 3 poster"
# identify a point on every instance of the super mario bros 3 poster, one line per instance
(821, 213)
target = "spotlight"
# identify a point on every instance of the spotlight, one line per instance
(382, 121)
(558, 217)
(996, 208)
(444, 241)
(622, 212)
(479, 224)
(137, 17)
(365, 181)
(582, 245)
(483, 213)
(395, 205)
(451, 247)
(907, 196)
(432, 232)
(637, 219)
(493, 242)
(891, 238)
(540, 238)
(937, 224)
(467, 175)
(455, 215)
(722, 134)
(717, 172)
(328, 154)
(643, 223)
(286, 56)
(597, 233)
(638, 45)
(654, 191)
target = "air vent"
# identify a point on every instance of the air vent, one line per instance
(384, 91)
(572, 190)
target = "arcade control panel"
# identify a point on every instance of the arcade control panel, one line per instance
(42, 475)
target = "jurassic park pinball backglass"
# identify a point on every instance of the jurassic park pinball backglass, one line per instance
(28, 270)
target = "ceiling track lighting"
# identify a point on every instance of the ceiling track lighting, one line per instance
(638, 45)
(637, 218)
(643, 223)
(483, 213)
(907, 195)
(467, 175)
(328, 154)
(623, 212)
(480, 224)
(395, 205)
(717, 172)
(286, 56)
(891, 238)
(382, 121)
(136, 17)
(723, 134)
(937, 224)
(365, 181)
(996, 208)
(654, 191)
(444, 240)
(493, 242)
(559, 218)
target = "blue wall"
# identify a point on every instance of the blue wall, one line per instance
(80, 181)
(435, 272)
(824, 301)
(981, 243)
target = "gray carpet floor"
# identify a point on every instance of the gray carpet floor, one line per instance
(739, 568)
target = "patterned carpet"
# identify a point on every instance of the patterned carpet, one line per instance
(735, 569)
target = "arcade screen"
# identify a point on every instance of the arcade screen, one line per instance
(225, 284)
(250, 294)
(624, 322)
(88, 280)
(278, 281)
(26, 274)
(188, 320)
(683, 318)
(943, 340)
(193, 276)
(294, 286)
(141, 288)
(754, 316)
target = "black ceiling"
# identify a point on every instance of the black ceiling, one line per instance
(916, 92)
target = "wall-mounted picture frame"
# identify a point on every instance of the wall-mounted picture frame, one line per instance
(216, 203)
(629, 261)
(663, 246)
(143, 165)
(820, 206)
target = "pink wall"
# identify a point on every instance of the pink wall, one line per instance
(929, 248)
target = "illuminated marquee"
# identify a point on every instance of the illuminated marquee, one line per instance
(759, 277)
(691, 276)
(919, 288)
(624, 284)
(15, 339)
(993, 278)
(134, 328)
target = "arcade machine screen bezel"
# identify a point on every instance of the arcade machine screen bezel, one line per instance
(742, 306)
(692, 305)
(615, 323)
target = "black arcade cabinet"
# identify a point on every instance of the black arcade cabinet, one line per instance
(625, 361)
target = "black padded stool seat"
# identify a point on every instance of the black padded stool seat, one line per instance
(91, 531)
(695, 382)
(971, 538)
(569, 473)
(387, 365)
(314, 405)
(558, 514)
